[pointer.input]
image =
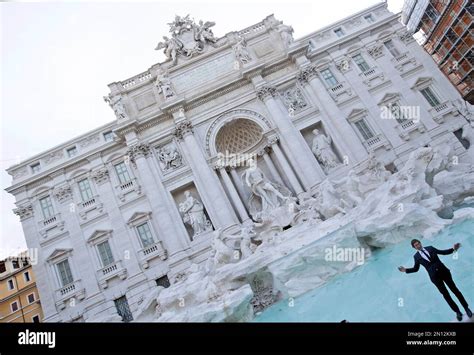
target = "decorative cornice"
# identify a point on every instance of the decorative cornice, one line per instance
(183, 128)
(63, 193)
(266, 92)
(24, 212)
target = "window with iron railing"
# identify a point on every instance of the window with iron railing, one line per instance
(430, 96)
(85, 190)
(105, 253)
(122, 173)
(64, 272)
(361, 63)
(46, 207)
(123, 309)
(364, 129)
(329, 77)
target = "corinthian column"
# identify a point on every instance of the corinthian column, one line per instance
(210, 189)
(335, 123)
(292, 141)
(159, 199)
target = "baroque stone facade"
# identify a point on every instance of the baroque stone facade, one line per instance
(208, 156)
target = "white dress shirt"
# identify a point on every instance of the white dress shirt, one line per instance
(423, 254)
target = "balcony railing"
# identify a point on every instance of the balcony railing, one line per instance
(74, 289)
(49, 220)
(152, 251)
(126, 187)
(88, 203)
(110, 271)
(376, 142)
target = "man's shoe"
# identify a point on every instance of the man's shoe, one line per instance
(459, 316)
(468, 312)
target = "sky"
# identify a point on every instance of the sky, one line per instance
(57, 59)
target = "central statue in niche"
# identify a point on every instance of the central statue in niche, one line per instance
(269, 202)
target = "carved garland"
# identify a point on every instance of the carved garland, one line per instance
(24, 212)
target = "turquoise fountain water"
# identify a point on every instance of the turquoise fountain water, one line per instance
(378, 292)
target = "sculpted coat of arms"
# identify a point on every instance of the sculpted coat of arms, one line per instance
(187, 38)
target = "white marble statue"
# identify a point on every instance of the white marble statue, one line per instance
(220, 254)
(286, 34)
(171, 47)
(163, 83)
(204, 32)
(323, 151)
(193, 214)
(261, 187)
(241, 52)
(329, 203)
(117, 105)
(352, 192)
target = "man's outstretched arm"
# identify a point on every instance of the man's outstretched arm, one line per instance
(448, 251)
(415, 268)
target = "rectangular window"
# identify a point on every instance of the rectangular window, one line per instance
(11, 285)
(364, 130)
(108, 136)
(105, 253)
(31, 298)
(25, 262)
(3, 267)
(329, 77)
(71, 152)
(14, 306)
(369, 18)
(391, 48)
(123, 309)
(35, 168)
(85, 190)
(339, 32)
(35, 319)
(27, 277)
(430, 96)
(145, 234)
(46, 207)
(397, 113)
(64, 271)
(361, 63)
(122, 173)
(16, 264)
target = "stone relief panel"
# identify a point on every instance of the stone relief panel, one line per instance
(294, 100)
(144, 100)
(169, 157)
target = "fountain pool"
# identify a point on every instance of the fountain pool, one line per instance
(377, 292)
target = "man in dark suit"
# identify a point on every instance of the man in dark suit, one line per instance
(439, 273)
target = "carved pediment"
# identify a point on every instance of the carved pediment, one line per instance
(389, 97)
(422, 82)
(357, 112)
(58, 253)
(98, 234)
(137, 217)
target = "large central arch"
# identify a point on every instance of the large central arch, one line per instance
(236, 131)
